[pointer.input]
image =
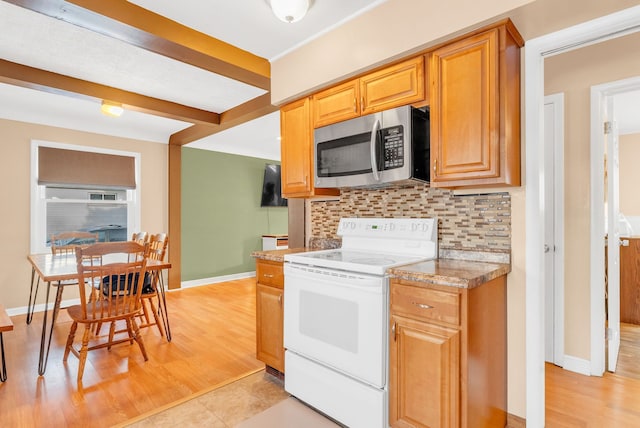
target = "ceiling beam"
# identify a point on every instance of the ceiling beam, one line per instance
(250, 110)
(34, 78)
(140, 27)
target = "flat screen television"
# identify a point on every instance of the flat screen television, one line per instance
(271, 188)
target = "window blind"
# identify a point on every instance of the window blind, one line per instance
(75, 167)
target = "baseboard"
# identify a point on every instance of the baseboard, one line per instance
(216, 279)
(577, 365)
(21, 310)
(514, 421)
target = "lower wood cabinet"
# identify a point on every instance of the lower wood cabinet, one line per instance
(270, 313)
(425, 374)
(447, 353)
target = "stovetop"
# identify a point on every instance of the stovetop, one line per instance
(373, 245)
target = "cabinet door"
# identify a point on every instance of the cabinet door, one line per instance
(336, 104)
(424, 374)
(465, 122)
(295, 147)
(269, 326)
(393, 86)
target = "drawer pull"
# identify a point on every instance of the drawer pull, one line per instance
(422, 305)
(267, 275)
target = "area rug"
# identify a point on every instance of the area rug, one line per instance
(223, 405)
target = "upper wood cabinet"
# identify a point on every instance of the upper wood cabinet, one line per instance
(475, 110)
(393, 86)
(296, 149)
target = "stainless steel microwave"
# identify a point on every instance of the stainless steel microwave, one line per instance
(373, 150)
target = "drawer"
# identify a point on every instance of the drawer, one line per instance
(426, 303)
(270, 273)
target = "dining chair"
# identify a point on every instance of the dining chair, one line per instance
(64, 244)
(140, 237)
(113, 269)
(158, 244)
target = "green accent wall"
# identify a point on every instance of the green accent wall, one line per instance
(222, 221)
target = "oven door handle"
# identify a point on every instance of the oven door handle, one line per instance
(374, 158)
(334, 278)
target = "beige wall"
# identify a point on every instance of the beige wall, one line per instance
(630, 174)
(339, 55)
(15, 170)
(574, 73)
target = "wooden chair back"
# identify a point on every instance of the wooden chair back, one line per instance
(66, 242)
(158, 244)
(115, 273)
(140, 237)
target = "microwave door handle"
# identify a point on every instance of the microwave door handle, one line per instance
(374, 159)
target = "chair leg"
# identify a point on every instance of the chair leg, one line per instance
(138, 338)
(112, 331)
(145, 311)
(83, 352)
(72, 334)
(156, 317)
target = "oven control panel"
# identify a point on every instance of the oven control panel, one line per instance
(389, 228)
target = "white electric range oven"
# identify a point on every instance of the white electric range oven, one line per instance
(336, 316)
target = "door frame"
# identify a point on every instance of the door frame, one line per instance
(600, 95)
(536, 50)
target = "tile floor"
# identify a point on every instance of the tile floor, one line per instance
(256, 401)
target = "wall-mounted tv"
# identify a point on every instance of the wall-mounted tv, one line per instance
(271, 188)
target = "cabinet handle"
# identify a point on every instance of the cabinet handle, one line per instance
(280, 299)
(393, 331)
(267, 275)
(422, 305)
(355, 105)
(435, 166)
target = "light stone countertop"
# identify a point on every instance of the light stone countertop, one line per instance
(278, 255)
(444, 271)
(451, 272)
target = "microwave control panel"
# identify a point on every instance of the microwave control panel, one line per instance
(393, 146)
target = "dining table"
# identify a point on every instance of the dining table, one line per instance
(50, 269)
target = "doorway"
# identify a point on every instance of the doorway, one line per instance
(607, 27)
(610, 107)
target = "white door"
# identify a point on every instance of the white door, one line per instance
(613, 236)
(554, 230)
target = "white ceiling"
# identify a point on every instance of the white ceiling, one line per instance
(42, 42)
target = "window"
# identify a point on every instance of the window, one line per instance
(64, 199)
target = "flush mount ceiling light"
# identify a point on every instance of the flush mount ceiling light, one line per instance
(290, 10)
(111, 109)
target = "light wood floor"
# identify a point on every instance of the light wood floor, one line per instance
(574, 400)
(213, 340)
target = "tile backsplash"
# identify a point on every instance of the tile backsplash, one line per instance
(479, 222)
